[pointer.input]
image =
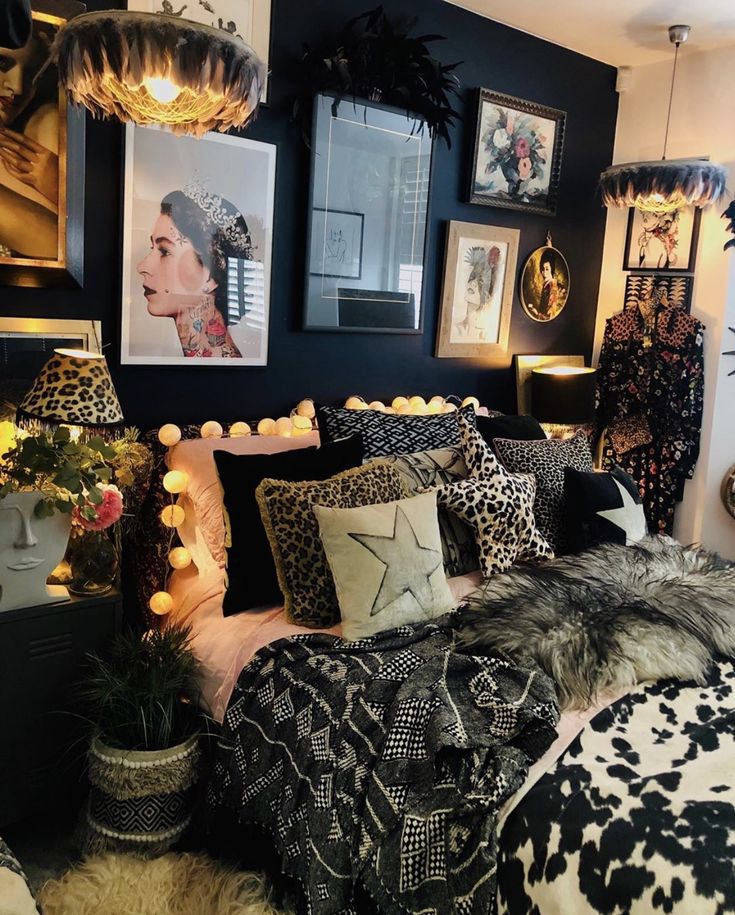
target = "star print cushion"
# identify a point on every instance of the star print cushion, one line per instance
(602, 508)
(425, 470)
(286, 509)
(500, 509)
(547, 460)
(387, 564)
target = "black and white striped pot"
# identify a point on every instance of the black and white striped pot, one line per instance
(140, 800)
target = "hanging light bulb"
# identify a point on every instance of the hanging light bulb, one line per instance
(161, 89)
(669, 184)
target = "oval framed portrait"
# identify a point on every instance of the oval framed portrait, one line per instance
(728, 491)
(544, 284)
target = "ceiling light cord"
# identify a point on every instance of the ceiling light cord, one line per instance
(671, 99)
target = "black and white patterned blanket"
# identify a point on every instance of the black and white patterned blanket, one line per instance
(382, 762)
(638, 816)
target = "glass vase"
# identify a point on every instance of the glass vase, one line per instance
(94, 564)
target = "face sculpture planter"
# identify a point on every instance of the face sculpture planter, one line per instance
(30, 549)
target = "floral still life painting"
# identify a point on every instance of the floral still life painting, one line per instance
(517, 154)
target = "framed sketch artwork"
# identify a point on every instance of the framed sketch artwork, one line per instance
(41, 161)
(662, 242)
(517, 154)
(248, 19)
(336, 243)
(545, 283)
(477, 295)
(197, 248)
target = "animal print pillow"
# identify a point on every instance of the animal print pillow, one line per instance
(500, 509)
(425, 470)
(287, 510)
(548, 460)
(388, 433)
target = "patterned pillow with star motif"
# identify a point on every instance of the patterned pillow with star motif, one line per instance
(386, 561)
(602, 508)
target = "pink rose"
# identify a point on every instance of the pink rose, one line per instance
(523, 148)
(106, 513)
(525, 167)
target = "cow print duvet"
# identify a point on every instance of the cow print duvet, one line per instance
(638, 815)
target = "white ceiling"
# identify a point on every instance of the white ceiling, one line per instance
(619, 32)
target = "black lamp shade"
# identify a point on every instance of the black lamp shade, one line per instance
(564, 396)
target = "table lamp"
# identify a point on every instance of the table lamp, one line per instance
(563, 398)
(73, 389)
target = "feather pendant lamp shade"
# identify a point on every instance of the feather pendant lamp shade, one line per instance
(154, 69)
(74, 388)
(669, 184)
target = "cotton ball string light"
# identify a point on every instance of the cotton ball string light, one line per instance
(161, 603)
(239, 430)
(417, 401)
(301, 424)
(267, 426)
(306, 408)
(284, 427)
(175, 481)
(211, 429)
(377, 405)
(355, 402)
(405, 409)
(398, 402)
(473, 401)
(173, 516)
(179, 558)
(448, 408)
(169, 435)
(437, 400)
(433, 408)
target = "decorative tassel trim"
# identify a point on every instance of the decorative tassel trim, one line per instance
(125, 775)
(104, 59)
(696, 182)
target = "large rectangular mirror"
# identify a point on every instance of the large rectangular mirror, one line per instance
(367, 226)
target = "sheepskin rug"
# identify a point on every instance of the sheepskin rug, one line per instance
(175, 884)
(609, 618)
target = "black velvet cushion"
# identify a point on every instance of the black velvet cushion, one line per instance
(251, 575)
(518, 428)
(602, 508)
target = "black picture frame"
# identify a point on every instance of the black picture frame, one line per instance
(688, 267)
(66, 269)
(678, 288)
(360, 217)
(507, 200)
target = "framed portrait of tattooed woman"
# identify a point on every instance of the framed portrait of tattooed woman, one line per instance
(41, 161)
(197, 248)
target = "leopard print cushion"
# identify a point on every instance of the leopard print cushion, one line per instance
(287, 511)
(548, 460)
(75, 391)
(498, 505)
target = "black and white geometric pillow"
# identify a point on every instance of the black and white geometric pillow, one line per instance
(388, 433)
(602, 508)
(547, 460)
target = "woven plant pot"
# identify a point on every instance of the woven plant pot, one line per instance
(140, 800)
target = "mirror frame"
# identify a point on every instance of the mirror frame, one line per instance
(409, 117)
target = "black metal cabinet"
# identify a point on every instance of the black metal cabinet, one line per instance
(42, 745)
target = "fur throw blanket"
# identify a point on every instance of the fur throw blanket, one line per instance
(610, 617)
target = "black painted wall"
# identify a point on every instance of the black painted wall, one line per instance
(332, 366)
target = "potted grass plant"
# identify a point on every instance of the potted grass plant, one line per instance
(142, 699)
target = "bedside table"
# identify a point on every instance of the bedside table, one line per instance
(42, 654)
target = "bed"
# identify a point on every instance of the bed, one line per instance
(623, 806)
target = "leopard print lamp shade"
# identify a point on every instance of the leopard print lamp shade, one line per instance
(74, 388)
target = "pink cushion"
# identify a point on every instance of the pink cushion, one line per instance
(203, 532)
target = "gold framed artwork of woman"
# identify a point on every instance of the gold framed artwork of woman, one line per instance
(477, 296)
(41, 161)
